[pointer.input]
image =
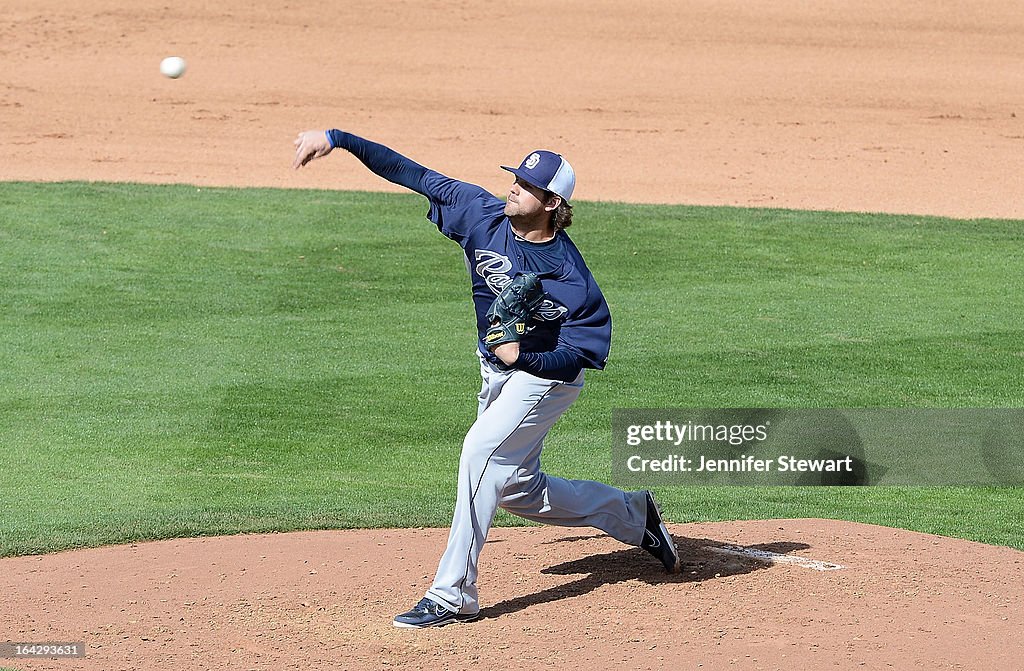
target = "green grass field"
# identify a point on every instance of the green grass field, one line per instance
(181, 361)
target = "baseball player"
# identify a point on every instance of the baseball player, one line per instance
(541, 320)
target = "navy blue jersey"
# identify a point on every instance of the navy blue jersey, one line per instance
(572, 327)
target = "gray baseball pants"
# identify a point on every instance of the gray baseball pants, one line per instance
(500, 466)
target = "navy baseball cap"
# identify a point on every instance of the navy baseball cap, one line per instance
(546, 170)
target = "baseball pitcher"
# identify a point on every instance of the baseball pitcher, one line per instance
(541, 320)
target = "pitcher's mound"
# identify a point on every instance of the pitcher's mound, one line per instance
(866, 597)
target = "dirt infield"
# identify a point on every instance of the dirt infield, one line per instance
(873, 106)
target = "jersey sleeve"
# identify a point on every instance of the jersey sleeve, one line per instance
(380, 160)
(561, 364)
(455, 207)
(584, 341)
(589, 331)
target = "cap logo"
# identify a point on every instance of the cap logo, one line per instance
(532, 161)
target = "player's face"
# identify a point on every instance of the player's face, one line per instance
(526, 200)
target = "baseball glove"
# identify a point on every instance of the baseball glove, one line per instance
(511, 310)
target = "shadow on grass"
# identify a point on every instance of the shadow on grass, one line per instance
(699, 563)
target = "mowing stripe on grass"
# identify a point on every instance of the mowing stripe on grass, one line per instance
(181, 361)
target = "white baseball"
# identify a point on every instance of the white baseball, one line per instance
(172, 66)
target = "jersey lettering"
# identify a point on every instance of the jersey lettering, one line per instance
(494, 268)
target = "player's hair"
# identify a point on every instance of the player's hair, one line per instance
(562, 216)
